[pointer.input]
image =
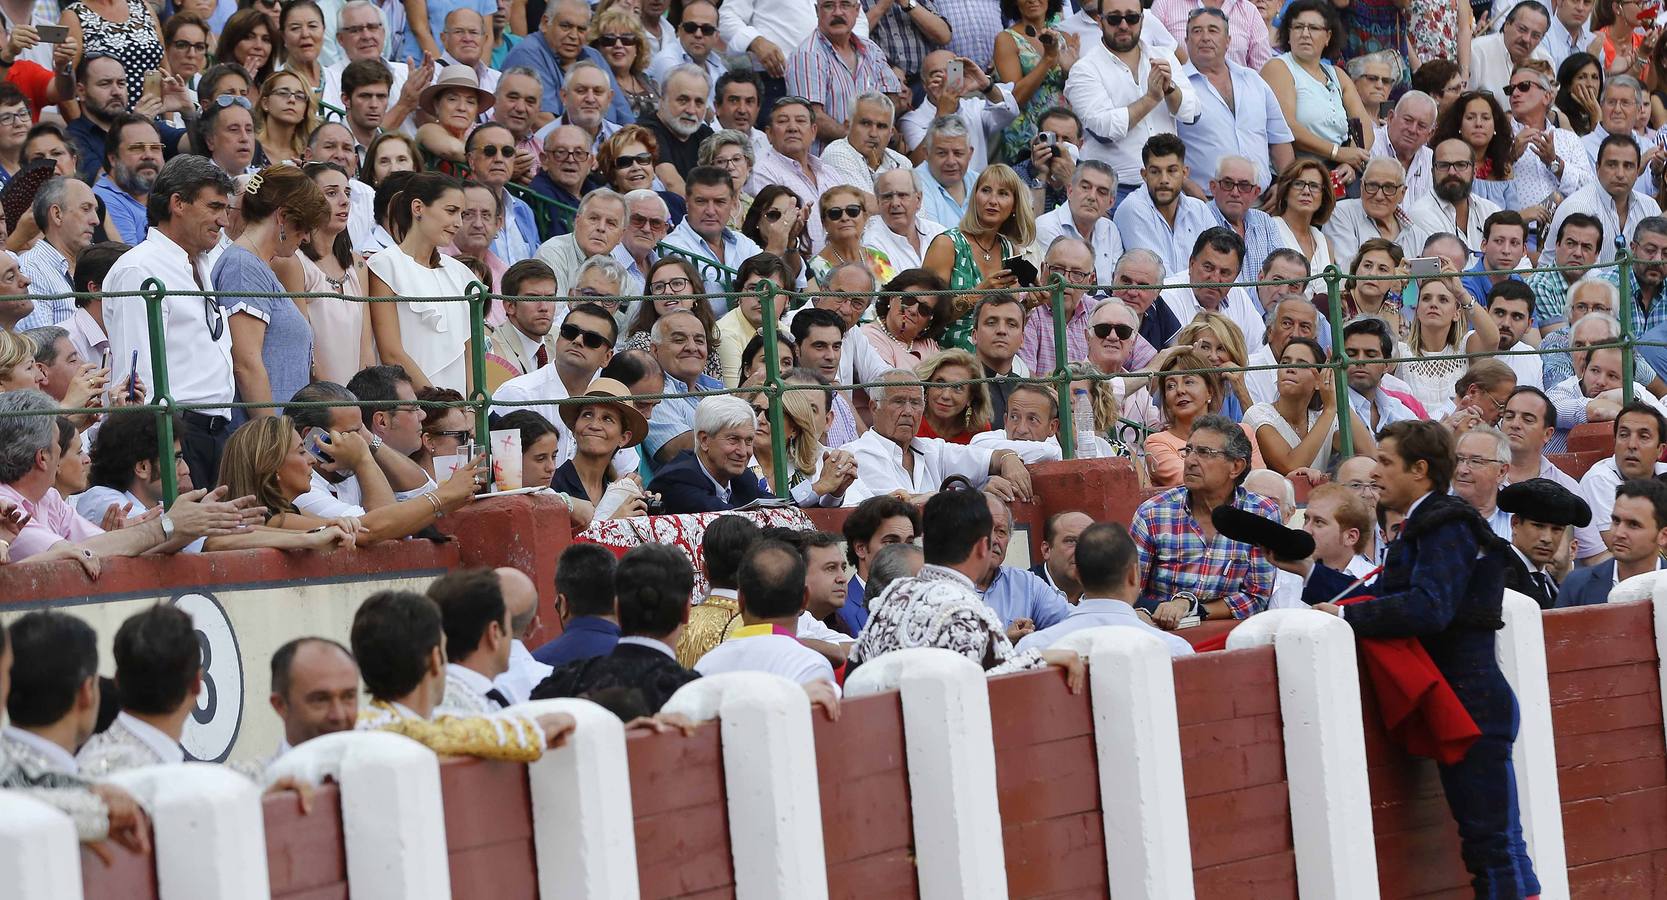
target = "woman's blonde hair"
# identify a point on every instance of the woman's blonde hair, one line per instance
(1020, 227)
(16, 349)
(804, 448)
(616, 19)
(979, 408)
(297, 148)
(1107, 412)
(1455, 332)
(1180, 364)
(253, 455)
(1224, 330)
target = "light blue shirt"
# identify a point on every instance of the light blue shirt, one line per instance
(737, 249)
(518, 239)
(126, 213)
(676, 415)
(1141, 225)
(437, 12)
(1017, 594)
(935, 202)
(535, 53)
(1389, 409)
(48, 273)
(1246, 128)
(1098, 614)
(635, 277)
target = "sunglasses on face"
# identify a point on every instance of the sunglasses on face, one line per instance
(1105, 330)
(493, 151)
(1519, 86)
(1115, 19)
(921, 305)
(697, 28)
(835, 213)
(461, 436)
(590, 339)
(616, 40)
(646, 160)
(225, 100)
(773, 214)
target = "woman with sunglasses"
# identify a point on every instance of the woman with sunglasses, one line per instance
(301, 40)
(426, 337)
(776, 222)
(126, 30)
(1298, 430)
(905, 330)
(1302, 201)
(627, 160)
(246, 40)
(225, 79)
(618, 35)
(1319, 101)
(955, 412)
(844, 218)
(272, 341)
(286, 117)
(672, 282)
(816, 475)
(341, 328)
(1184, 394)
(445, 428)
(998, 224)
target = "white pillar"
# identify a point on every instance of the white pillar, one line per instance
(1325, 749)
(40, 857)
(952, 768)
(1521, 650)
(207, 827)
(584, 835)
(393, 819)
(775, 810)
(1137, 739)
(1660, 601)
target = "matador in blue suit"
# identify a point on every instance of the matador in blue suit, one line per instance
(1442, 582)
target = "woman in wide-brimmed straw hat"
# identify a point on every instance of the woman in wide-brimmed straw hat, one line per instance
(455, 101)
(600, 430)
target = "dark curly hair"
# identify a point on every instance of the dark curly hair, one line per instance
(1498, 150)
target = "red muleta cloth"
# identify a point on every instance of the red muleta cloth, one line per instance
(1420, 710)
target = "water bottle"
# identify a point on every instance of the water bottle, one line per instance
(1082, 423)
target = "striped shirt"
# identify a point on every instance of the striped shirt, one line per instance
(48, 273)
(816, 72)
(974, 25)
(896, 33)
(1174, 555)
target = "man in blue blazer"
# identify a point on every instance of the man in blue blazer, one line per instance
(1637, 537)
(713, 476)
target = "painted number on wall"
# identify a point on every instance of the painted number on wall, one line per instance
(213, 726)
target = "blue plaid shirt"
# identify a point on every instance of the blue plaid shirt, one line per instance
(1261, 238)
(1174, 555)
(1644, 316)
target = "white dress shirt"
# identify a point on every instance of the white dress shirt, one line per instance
(1491, 66)
(1559, 43)
(985, 120)
(880, 465)
(777, 654)
(879, 236)
(545, 385)
(1432, 215)
(361, 212)
(1419, 181)
(1107, 243)
(787, 25)
(1535, 182)
(1597, 488)
(1101, 87)
(1593, 200)
(1239, 305)
(1528, 365)
(1350, 226)
(199, 365)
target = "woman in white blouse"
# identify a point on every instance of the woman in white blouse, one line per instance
(1437, 329)
(1299, 429)
(426, 337)
(1302, 202)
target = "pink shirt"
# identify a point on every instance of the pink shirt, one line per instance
(50, 521)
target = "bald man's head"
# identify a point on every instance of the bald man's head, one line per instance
(520, 598)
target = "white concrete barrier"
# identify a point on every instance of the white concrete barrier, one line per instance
(207, 827)
(1521, 650)
(952, 768)
(393, 820)
(1325, 749)
(584, 836)
(1137, 739)
(40, 858)
(769, 751)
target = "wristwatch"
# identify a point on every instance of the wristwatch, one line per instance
(375, 443)
(167, 527)
(908, 5)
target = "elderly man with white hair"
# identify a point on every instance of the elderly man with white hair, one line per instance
(865, 151)
(1292, 316)
(1594, 392)
(647, 220)
(893, 459)
(1234, 192)
(1589, 295)
(1379, 212)
(900, 231)
(1482, 459)
(1139, 276)
(947, 172)
(1114, 343)
(1405, 137)
(597, 229)
(1092, 191)
(712, 476)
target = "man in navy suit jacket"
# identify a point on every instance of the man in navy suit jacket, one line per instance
(1637, 536)
(585, 595)
(713, 476)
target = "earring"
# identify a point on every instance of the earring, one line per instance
(282, 236)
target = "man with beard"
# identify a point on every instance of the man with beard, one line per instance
(865, 151)
(1451, 209)
(1613, 199)
(679, 122)
(704, 230)
(514, 106)
(697, 37)
(101, 89)
(788, 160)
(1639, 435)
(1083, 217)
(1541, 512)
(900, 231)
(490, 150)
(1405, 137)
(832, 66)
(1511, 304)
(585, 97)
(1234, 191)
(1160, 216)
(1217, 255)
(565, 171)
(560, 43)
(133, 156)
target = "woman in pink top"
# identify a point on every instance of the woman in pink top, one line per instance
(905, 330)
(1183, 398)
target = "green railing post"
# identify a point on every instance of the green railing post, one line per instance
(161, 394)
(1340, 373)
(478, 299)
(1624, 276)
(1062, 370)
(773, 387)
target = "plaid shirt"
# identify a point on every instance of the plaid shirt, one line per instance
(1551, 297)
(1643, 317)
(1174, 555)
(816, 73)
(974, 25)
(898, 36)
(1037, 350)
(1261, 238)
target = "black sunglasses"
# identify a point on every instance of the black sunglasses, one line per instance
(1124, 18)
(1105, 329)
(697, 28)
(461, 436)
(215, 317)
(835, 213)
(590, 339)
(641, 159)
(773, 214)
(921, 305)
(493, 151)
(609, 40)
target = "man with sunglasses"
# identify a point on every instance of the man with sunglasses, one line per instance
(490, 151)
(1551, 163)
(696, 45)
(584, 344)
(1494, 56)
(1114, 344)
(1451, 208)
(705, 228)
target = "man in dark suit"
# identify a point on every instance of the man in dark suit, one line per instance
(585, 600)
(1637, 537)
(713, 476)
(653, 583)
(1442, 582)
(1541, 512)
(1059, 553)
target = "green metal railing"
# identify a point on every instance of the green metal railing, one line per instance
(773, 302)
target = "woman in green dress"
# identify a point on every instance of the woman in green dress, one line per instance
(1034, 57)
(998, 225)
